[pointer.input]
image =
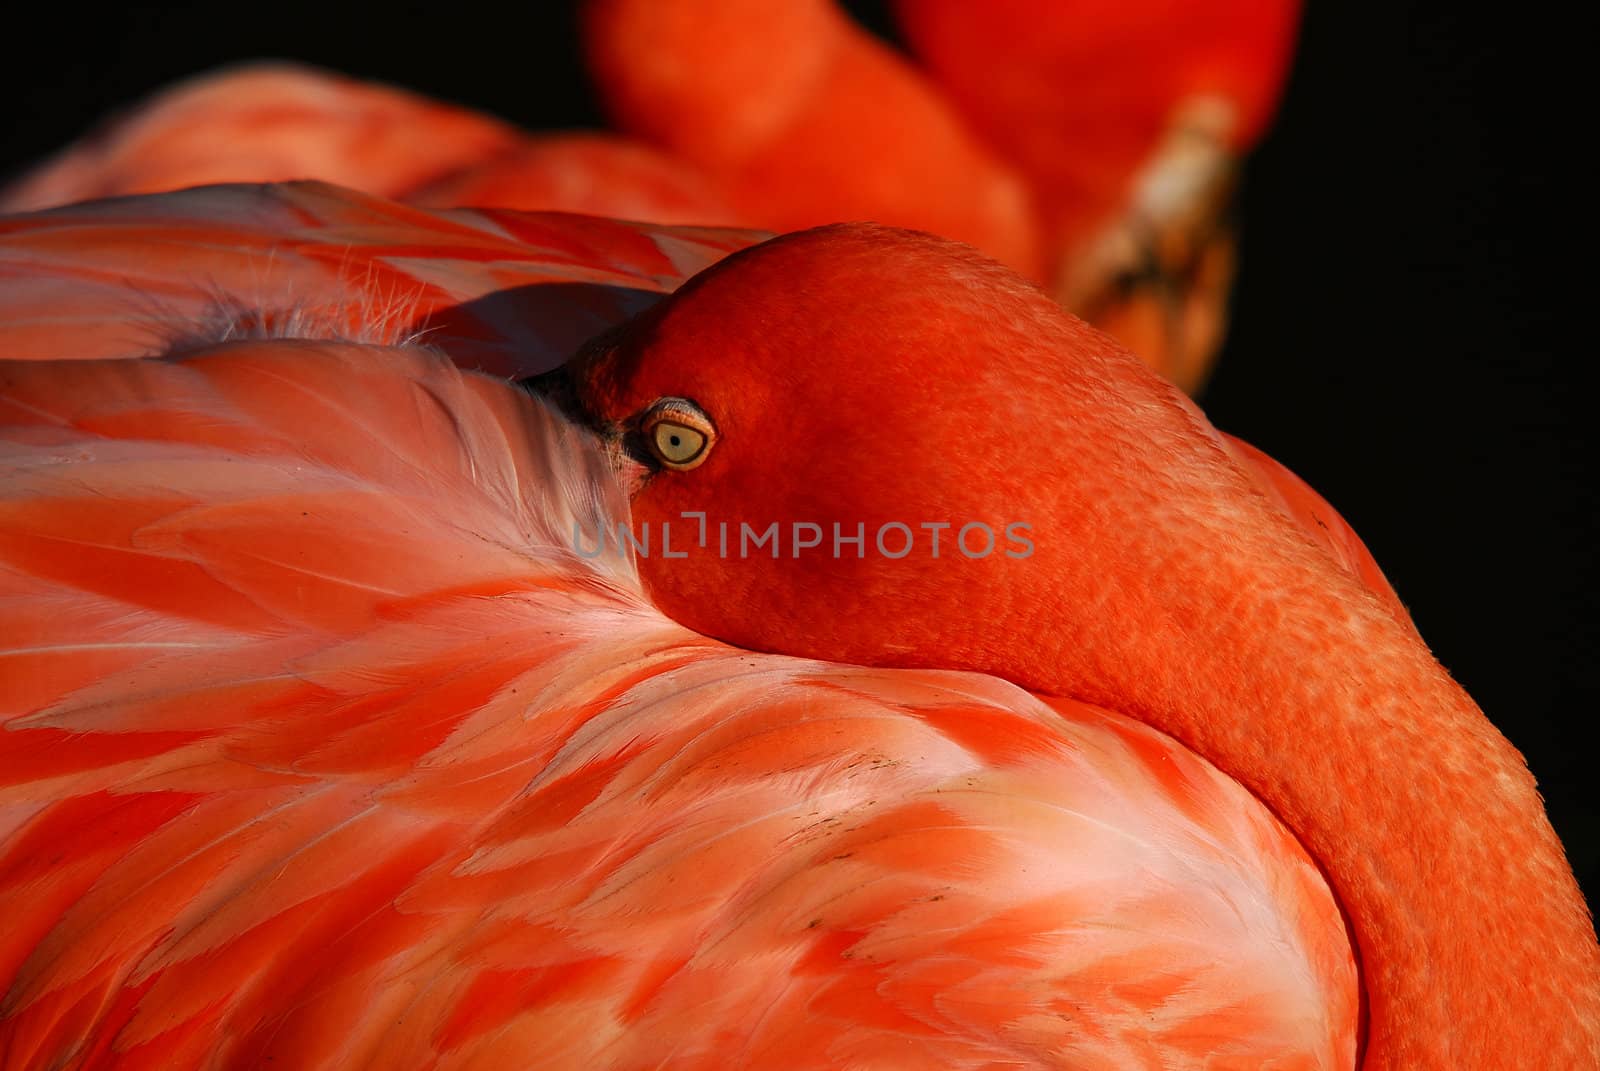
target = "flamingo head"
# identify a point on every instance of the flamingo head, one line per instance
(874, 445)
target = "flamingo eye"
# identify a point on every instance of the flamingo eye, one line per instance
(678, 433)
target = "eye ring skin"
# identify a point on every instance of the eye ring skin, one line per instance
(677, 433)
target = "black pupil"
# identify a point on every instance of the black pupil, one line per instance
(676, 441)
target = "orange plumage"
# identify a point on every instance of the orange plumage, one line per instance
(324, 748)
(324, 741)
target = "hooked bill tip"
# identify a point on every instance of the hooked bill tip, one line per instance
(557, 389)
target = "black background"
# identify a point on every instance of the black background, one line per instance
(1398, 331)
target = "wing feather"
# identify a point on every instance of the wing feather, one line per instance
(511, 293)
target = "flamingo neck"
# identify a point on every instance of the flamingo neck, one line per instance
(1477, 949)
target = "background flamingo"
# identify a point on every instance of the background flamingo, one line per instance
(1124, 218)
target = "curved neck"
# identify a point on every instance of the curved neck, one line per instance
(1476, 947)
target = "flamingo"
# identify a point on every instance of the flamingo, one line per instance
(329, 743)
(1107, 182)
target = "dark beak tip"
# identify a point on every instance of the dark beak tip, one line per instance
(557, 388)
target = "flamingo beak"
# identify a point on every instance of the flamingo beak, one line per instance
(558, 390)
